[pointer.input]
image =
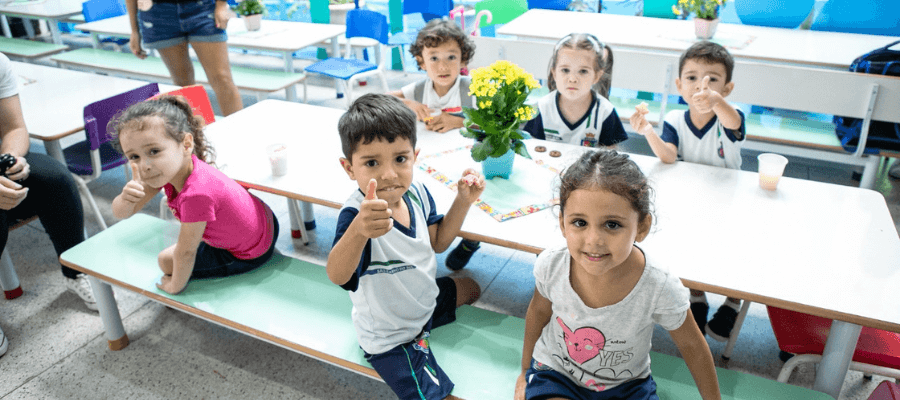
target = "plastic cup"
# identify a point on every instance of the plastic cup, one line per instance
(278, 157)
(771, 167)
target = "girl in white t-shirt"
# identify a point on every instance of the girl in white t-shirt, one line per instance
(590, 321)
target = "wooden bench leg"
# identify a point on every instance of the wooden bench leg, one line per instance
(739, 321)
(9, 281)
(109, 313)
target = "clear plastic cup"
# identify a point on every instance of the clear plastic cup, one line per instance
(771, 167)
(278, 157)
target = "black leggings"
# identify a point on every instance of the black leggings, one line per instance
(53, 197)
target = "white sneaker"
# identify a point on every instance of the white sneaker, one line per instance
(4, 344)
(82, 287)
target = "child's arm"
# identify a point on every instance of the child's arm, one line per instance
(697, 356)
(444, 122)
(469, 187)
(373, 220)
(709, 100)
(182, 258)
(422, 112)
(667, 152)
(538, 315)
(134, 196)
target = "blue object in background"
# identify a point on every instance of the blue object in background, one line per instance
(549, 4)
(874, 17)
(775, 13)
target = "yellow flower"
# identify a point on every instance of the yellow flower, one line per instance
(675, 10)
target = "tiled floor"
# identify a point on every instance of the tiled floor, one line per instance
(57, 348)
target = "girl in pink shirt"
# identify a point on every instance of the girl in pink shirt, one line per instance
(225, 230)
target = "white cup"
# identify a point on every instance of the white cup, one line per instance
(278, 157)
(771, 167)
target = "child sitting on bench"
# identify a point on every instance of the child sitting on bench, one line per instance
(384, 248)
(225, 230)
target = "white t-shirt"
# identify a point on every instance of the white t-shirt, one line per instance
(599, 126)
(393, 289)
(712, 144)
(450, 102)
(9, 84)
(600, 348)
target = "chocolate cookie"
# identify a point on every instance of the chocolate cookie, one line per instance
(540, 149)
(555, 153)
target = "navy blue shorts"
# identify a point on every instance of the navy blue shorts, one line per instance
(546, 383)
(411, 369)
(167, 24)
(213, 262)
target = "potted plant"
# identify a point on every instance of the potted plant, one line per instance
(251, 11)
(500, 91)
(706, 15)
(338, 9)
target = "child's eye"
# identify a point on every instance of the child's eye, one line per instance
(401, 159)
(691, 78)
(613, 225)
(133, 157)
(584, 71)
(434, 59)
(371, 163)
(452, 57)
(565, 70)
(579, 223)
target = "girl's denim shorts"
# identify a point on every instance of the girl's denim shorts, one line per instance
(168, 24)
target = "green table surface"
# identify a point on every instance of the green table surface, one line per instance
(292, 303)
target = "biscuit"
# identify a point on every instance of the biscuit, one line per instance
(555, 153)
(540, 149)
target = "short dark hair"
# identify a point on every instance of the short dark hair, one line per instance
(437, 32)
(709, 53)
(376, 117)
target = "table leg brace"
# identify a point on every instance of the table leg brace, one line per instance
(109, 314)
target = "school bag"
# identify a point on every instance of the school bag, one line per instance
(882, 135)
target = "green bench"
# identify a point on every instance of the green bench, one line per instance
(308, 314)
(28, 49)
(258, 81)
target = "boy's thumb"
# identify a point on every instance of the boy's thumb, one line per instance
(705, 84)
(370, 190)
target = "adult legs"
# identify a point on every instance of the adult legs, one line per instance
(178, 62)
(214, 59)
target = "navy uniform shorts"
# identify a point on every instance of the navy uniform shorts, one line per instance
(543, 382)
(411, 369)
(168, 23)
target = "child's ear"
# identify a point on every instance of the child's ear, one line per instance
(416, 154)
(597, 78)
(348, 167)
(421, 61)
(678, 84)
(562, 226)
(188, 142)
(644, 228)
(726, 90)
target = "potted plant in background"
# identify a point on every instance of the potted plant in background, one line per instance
(500, 91)
(706, 15)
(251, 11)
(338, 10)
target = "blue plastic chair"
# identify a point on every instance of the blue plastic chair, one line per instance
(360, 23)
(775, 13)
(95, 10)
(549, 4)
(874, 17)
(430, 9)
(87, 159)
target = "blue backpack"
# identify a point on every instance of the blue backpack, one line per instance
(882, 135)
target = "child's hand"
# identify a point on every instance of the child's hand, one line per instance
(639, 121)
(421, 110)
(134, 190)
(443, 123)
(705, 99)
(520, 387)
(374, 214)
(470, 186)
(168, 285)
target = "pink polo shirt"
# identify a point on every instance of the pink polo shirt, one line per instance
(236, 220)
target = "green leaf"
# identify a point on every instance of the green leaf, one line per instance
(521, 149)
(480, 151)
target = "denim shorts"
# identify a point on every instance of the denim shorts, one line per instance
(169, 24)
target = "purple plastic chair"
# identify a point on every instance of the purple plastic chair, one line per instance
(87, 159)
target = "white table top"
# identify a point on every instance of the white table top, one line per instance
(824, 249)
(804, 47)
(53, 99)
(53, 9)
(273, 35)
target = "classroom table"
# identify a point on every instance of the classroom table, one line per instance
(801, 47)
(53, 100)
(53, 11)
(819, 248)
(285, 37)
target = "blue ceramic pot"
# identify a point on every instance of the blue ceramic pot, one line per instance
(498, 166)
